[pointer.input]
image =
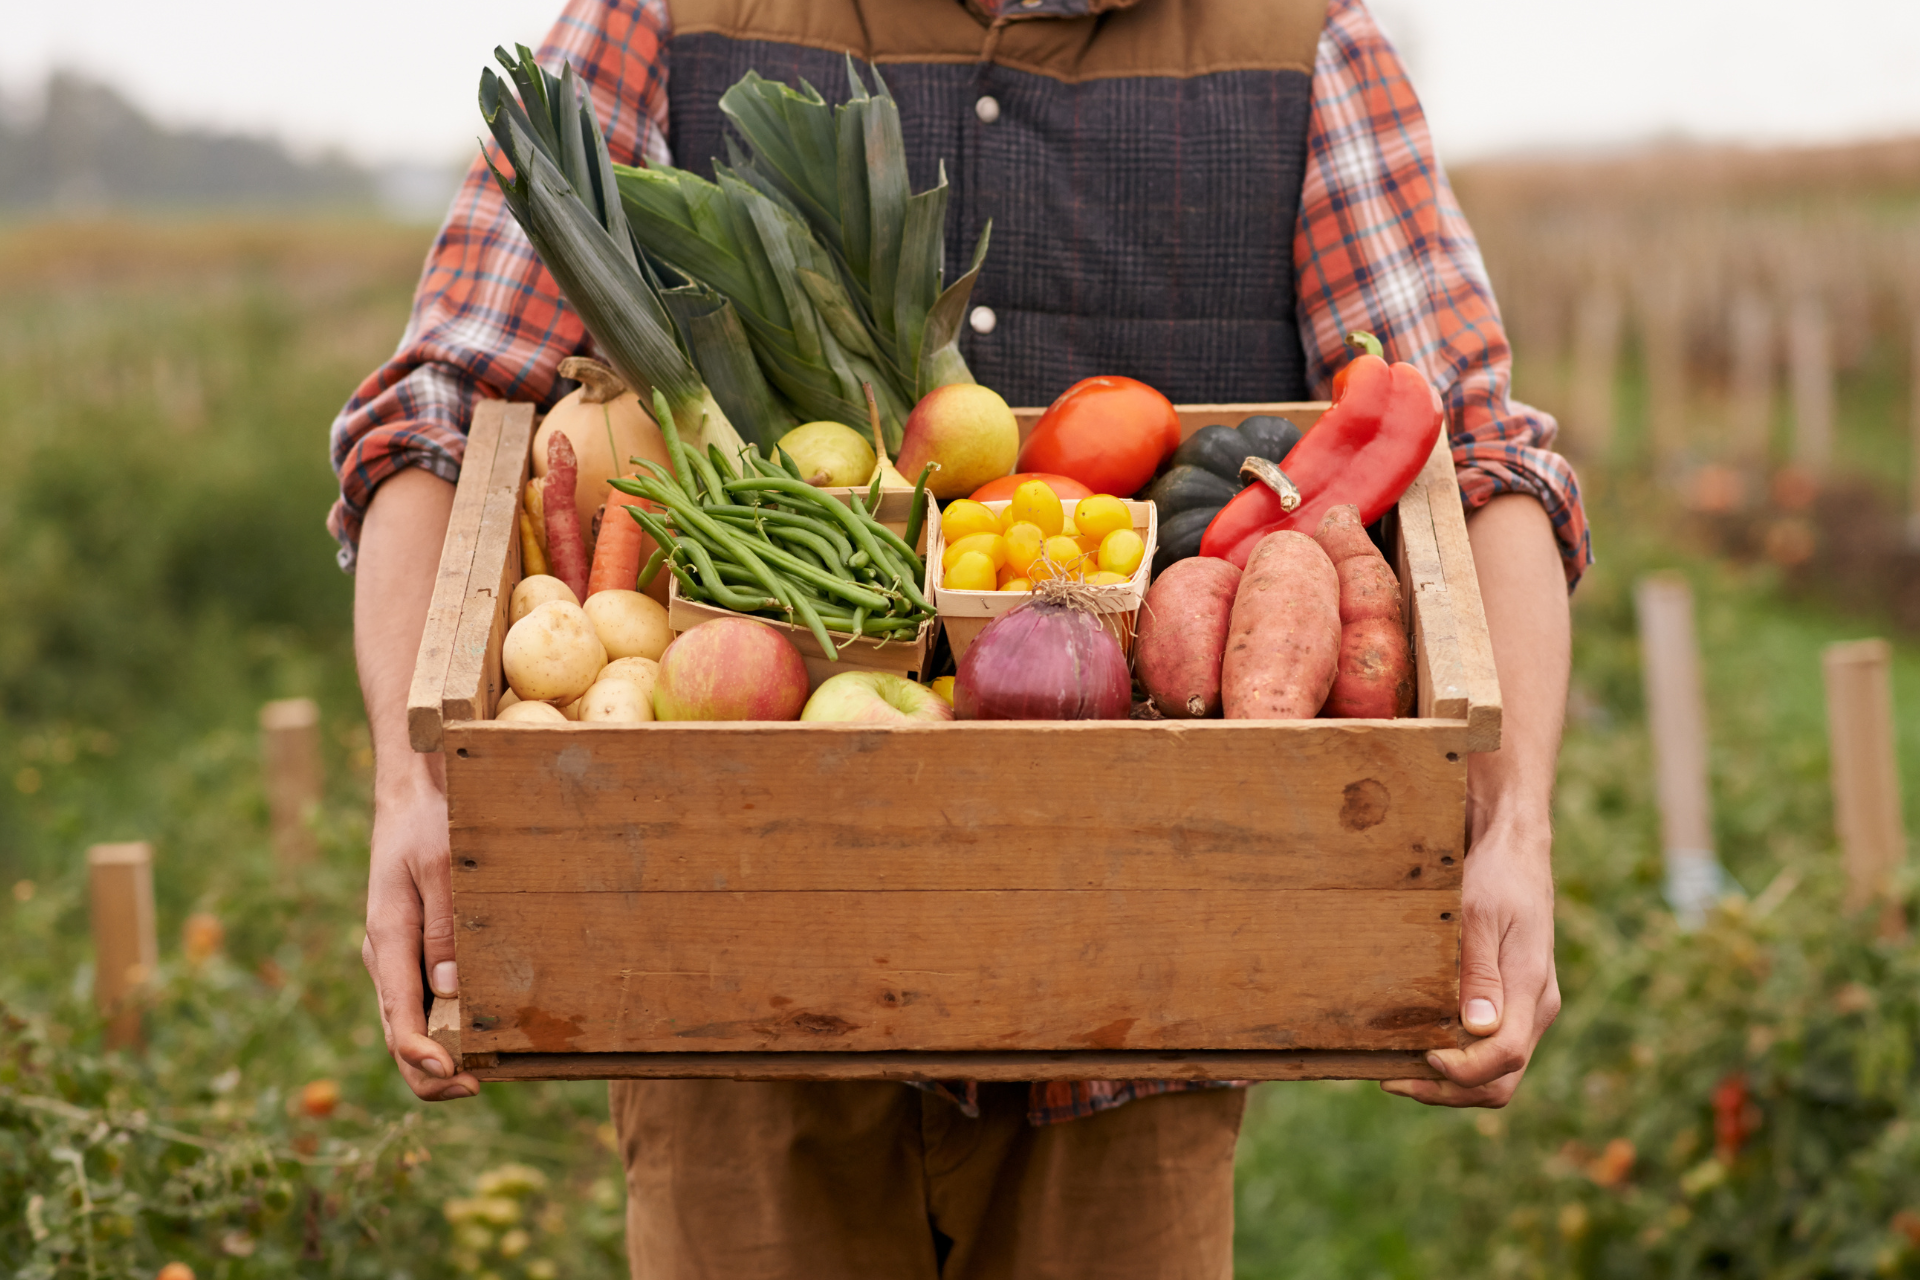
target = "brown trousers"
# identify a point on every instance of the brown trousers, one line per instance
(834, 1181)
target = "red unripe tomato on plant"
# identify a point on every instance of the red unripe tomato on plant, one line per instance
(1110, 434)
(1068, 490)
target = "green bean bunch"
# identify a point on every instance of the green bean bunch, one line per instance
(759, 539)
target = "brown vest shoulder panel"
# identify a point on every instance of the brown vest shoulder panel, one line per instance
(1174, 38)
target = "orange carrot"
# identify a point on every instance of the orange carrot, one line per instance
(566, 553)
(616, 556)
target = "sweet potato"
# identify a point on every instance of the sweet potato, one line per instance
(1375, 676)
(1283, 640)
(1183, 635)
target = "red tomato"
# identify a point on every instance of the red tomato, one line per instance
(1069, 490)
(1110, 434)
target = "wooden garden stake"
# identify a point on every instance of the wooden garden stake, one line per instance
(1596, 355)
(1752, 389)
(1810, 363)
(1866, 780)
(1677, 718)
(290, 752)
(1913, 441)
(125, 949)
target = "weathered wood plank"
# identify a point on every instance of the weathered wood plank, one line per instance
(1212, 969)
(425, 694)
(473, 666)
(1440, 675)
(443, 1025)
(1307, 1065)
(1314, 804)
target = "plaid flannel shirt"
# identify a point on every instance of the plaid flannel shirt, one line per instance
(1381, 244)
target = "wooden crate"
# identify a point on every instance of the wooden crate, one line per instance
(1207, 900)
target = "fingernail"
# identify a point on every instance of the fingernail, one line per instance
(459, 1091)
(433, 1068)
(1480, 1013)
(446, 978)
(1433, 1060)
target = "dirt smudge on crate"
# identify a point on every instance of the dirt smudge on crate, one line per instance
(1364, 804)
(546, 1033)
(1111, 1036)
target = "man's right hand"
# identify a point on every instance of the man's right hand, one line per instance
(410, 912)
(409, 891)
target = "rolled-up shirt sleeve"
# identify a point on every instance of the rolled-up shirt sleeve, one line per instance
(487, 319)
(1382, 245)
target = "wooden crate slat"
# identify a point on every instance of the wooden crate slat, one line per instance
(1475, 648)
(473, 668)
(425, 694)
(1279, 1065)
(1317, 804)
(1216, 969)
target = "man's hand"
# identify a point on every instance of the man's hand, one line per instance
(409, 894)
(410, 906)
(1508, 991)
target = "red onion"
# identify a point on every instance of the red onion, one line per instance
(1048, 659)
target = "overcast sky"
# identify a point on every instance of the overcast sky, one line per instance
(395, 79)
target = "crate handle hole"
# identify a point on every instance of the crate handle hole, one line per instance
(1446, 860)
(1446, 915)
(468, 863)
(462, 753)
(1453, 757)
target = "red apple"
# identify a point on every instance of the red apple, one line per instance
(874, 697)
(730, 669)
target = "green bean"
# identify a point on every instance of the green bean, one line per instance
(652, 567)
(795, 535)
(787, 463)
(851, 592)
(812, 618)
(718, 586)
(859, 560)
(688, 514)
(873, 494)
(797, 547)
(709, 478)
(757, 517)
(917, 514)
(721, 464)
(670, 433)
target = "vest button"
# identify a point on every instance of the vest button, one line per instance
(987, 108)
(982, 320)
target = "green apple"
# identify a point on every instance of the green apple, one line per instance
(965, 428)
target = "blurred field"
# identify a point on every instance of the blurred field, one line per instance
(164, 395)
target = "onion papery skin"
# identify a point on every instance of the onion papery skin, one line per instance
(1044, 661)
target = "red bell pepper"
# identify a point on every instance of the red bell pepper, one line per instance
(1366, 450)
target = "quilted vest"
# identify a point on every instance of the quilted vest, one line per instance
(1141, 162)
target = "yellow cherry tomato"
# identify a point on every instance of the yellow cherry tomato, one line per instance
(964, 517)
(1016, 584)
(1121, 551)
(1023, 542)
(1066, 525)
(1035, 503)
(1060, 557)
(973, 571)
(1089, 544)
(944, 687)
(990, 545)
(1101, 515)
(1106, 579)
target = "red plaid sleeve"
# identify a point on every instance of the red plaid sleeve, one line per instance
(487, 319)
(1382, 245)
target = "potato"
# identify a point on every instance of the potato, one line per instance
(1183, 635)
(643, 673)
(1374, 678)
(629, 624)
(535, 590)
(507, 699)
(571, 710)
(530, 713)
(616, 700)
(552, 654)
(1283, 640)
